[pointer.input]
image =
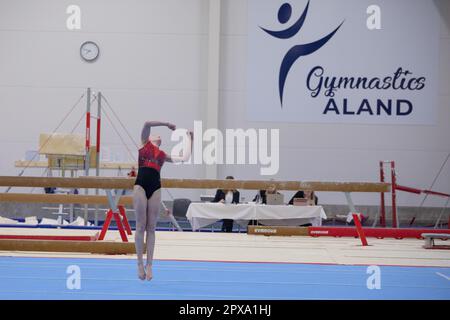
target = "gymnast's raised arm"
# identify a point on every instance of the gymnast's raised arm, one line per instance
(186, 152)
(147, 128)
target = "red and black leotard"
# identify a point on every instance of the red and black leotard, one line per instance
(151, 159)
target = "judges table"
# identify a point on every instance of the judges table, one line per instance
(203, 214)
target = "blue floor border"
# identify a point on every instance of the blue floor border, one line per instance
(111, 279)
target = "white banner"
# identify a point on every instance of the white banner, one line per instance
(352, 61)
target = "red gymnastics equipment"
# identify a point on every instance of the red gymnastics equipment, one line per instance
(116, 211)
(359, 229)
(395, 231)
(120, 217)
(379, 233)
(394, 187)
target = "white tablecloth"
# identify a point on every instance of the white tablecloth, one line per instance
(203, 214)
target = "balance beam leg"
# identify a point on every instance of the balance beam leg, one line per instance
(126, 224)
(359, 229)
(106, 225)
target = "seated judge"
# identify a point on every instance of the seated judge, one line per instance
(227, 196)
(261, 197)
(309, 195)
(312, 200)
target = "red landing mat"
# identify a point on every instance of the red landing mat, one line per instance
(372, 232)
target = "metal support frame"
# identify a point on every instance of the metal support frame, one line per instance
(395, 222)
(436, 225)
(211, 111)
(382, 204)
(71, 206)
(172, 218)
(113, 200)
(395, 216)
(350, 205)
(60, 214)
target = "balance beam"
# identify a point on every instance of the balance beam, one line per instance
(52, 237)
(127, 183)
(95, 247)
(61, 198)
(103, 165)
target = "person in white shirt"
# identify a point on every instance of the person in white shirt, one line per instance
(227, 197)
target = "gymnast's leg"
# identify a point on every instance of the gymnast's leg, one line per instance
(140, 208)
(153, 208)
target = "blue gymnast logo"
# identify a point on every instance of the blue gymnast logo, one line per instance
(284, 14)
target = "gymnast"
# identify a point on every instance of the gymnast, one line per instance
(147, 191)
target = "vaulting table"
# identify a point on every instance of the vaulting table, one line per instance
(203, 214)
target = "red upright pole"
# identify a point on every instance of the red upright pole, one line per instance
(98, 136)
(88, 131)
(394, 195)
(87, 159)
(382, 205)
(99, 120)
(97, 158)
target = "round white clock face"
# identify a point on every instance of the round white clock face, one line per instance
(89, 51)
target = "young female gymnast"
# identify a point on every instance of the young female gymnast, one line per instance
(147, 191)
